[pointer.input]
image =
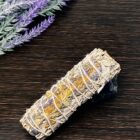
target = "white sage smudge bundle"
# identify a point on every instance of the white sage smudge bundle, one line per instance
(84, 80)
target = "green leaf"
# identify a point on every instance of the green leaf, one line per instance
(52, 7)
(7, 29)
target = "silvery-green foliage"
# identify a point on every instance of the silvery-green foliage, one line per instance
(7, 26)
(53, 6)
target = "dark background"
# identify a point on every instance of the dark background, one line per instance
(26, 73)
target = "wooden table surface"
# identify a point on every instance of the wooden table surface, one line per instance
(26, 73)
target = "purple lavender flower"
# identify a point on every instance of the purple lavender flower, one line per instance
(34, 32)
(33, 12)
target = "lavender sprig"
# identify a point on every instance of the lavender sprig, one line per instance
(27, 17)
(34, 32)
(8, 25)
(24, 20)
(14, 6)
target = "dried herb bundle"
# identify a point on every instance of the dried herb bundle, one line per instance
(84, 80)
